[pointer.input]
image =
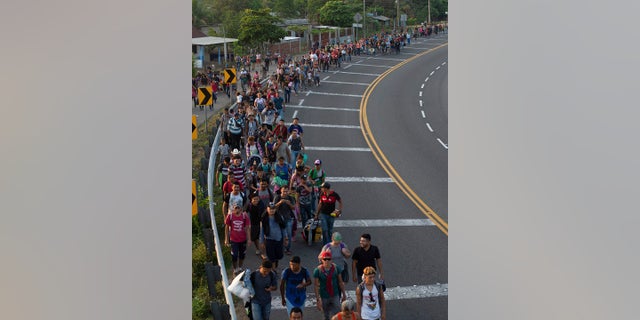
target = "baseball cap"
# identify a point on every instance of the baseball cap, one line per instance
(326, 185)
(325, 254)
(272, 205)
(317, 161)
(235, 151)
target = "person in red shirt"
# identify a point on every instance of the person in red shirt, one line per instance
(281, 130)
(327, 211)
(236, 235)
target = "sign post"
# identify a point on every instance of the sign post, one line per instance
(194, 127)
(194, 198)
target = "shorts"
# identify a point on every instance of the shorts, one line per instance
(238, 250)
(255, 233)
(274, 249)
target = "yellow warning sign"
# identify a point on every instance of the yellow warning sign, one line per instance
(230, 75)
(205, 96)
(194, 198)
(194, 127)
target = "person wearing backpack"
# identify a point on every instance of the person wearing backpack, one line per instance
(340, 253)
(273, 237)
(295, 280)
(328, 286)
(370, 297)
(263, 281)
(236, 235)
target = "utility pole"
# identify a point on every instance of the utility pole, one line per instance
(364, 20)
(429, 11)
(224, 32)
(398, 14)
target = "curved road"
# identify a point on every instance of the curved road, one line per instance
(413, 249)
(407, 117)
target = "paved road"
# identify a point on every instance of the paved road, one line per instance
(414, 251)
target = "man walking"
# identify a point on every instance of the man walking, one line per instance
(371, 304)
(263, 282)
(328, 286)
(366, 255)
(285, 204)
(295, 280)
(327, 210)
(272, 235)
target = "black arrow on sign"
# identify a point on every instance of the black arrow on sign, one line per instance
(193, 128)
(193, 198)
(230, 75)
(207, 96)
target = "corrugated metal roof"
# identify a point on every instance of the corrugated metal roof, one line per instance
(207, 41)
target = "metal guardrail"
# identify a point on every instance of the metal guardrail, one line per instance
(216, 237)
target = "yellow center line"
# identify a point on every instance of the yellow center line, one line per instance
(382, 159)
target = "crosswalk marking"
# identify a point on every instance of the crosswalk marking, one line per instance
(324, 108)
(319, 125)
(358, 179)
(370, 223)
(392, 293)
(352, 83)
(335, 94)
(337, 149)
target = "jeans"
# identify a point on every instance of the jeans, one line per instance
(330, 306)
(326, 222)
(294, 157)
(288, 231)
(305, 213)
(260, 312)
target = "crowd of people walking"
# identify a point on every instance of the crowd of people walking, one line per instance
(271, 190)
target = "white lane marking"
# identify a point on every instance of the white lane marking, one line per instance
(295, 114)
(392, 293)
(444, 63)
(421, 48)
(360, 73)
(429, 126)
(420, 103)
(432, 72)
(337, 149)
(347, 67)
(319, 125)
(420, 93)
(423, 115)
(427, 79)
(422, 87)
(301, 101)
(324, 108)
(438, 68)
(352, 83)
(335, 94)
(325, 78)
(358, 179)
(340, 223)
(359, 61)
(374, 65)
(443, 144)
(308, 93)
(392, 59)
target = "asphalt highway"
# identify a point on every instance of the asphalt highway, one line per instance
(411, 239)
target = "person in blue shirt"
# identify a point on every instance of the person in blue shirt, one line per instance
(295, 280)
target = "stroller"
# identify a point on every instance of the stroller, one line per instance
(254, 160)
(312, 231)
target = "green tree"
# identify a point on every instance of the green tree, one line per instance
(313, 10)
(336, 13)
(285, 8)
(258, 27)
(200, 14)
